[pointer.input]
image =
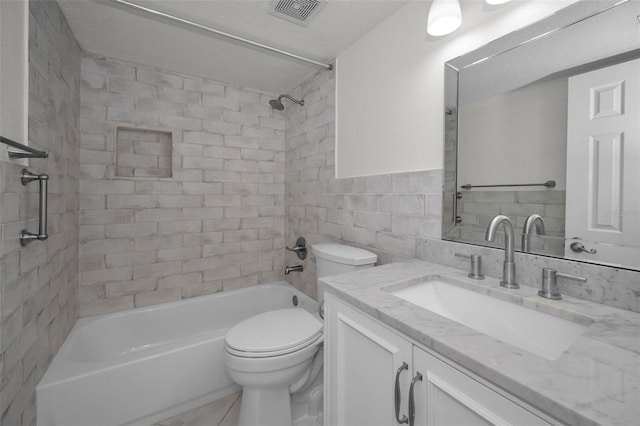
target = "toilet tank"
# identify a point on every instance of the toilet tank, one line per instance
(332, 259)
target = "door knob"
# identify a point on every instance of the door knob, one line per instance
(580, 248)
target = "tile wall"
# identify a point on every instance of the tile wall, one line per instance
(216, 224)
(38, 283)
(385, 214)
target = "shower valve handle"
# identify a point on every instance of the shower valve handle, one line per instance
(300, 248)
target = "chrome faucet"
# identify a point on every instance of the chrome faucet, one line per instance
(527, 231)
(509, 267)
(290, 269)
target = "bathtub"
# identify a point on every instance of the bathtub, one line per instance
(147, 364)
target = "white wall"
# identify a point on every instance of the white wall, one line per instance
(517, 137)
(390, 84)
(14, 75)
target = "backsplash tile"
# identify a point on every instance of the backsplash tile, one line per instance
(608, 285)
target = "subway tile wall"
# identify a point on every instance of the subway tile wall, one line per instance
(385, 214)
(38, 283)
(216, 224)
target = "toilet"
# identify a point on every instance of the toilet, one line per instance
(278, 354)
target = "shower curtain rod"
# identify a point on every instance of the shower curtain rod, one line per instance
(221, 33)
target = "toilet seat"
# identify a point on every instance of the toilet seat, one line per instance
(274, 333)
(259, 355)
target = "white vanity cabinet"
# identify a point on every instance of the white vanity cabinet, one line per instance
(364, 359)
(361, 361)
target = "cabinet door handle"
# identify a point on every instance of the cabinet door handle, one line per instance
(412, 401)
(396, 394)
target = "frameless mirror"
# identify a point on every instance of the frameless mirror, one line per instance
(545, 121)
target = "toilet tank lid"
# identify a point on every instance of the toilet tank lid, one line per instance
(344, 254)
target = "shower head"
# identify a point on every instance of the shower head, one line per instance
(277, 103)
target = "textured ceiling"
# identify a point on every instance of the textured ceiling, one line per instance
(111, 30)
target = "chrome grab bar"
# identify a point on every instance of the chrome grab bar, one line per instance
(397, 398)
(25, 151)
(548, 184)
(25, 236)
(412, 401)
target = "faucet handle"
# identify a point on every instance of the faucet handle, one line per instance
(300, 249)
(476, 265)
(550, 283)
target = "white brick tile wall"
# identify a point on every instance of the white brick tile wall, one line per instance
(39, 282)
(149, 240)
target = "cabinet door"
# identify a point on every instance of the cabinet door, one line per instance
(361, 361)
(448, 397)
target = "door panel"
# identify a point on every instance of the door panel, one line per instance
(603, 153)
(447, 396)
(367, 356)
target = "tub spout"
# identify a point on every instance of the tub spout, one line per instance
(289, 269)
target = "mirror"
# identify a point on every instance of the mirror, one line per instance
(544, 121)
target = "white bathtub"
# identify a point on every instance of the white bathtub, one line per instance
(144, 365)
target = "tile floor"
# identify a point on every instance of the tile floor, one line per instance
(223, 412)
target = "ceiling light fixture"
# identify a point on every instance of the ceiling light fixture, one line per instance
(445, 17)
(494, 2)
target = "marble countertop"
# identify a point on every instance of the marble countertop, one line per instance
(596, 381)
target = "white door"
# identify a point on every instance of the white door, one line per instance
(362, 359)
(447, 397)
(603, 164)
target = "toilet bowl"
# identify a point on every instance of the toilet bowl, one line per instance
(277, 354)
(267, 354)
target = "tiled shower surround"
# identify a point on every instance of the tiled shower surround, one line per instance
(39, 282)
(216, 223)
(219, 222)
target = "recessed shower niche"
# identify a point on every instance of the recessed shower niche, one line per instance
(143, 153)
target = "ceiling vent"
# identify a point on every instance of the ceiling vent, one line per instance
(299, 12)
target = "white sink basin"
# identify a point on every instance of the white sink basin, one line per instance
(542, 334)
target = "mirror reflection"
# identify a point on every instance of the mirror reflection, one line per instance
(542, 126)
